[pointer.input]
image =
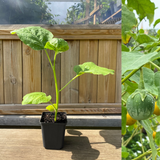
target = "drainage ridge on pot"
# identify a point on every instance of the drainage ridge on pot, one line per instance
(53, 132)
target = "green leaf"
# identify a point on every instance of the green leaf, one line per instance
(141, 31)
(156, 22)
(36, 98)
(143, 8)
(51, 108)
(128, 22)
(124, 119)
(134, 60)
(144, 38)
(34, 37)
(57, 44)
(158, 100)
(90, 67)
(157, 138)
(125, 48)
(147, 126)
(125, 154)
(150, 45)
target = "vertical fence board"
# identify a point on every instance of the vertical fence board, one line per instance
(1, 75)
(48, 85)
(88, 82)
(12, 71)
(107, 58)
(69, 59)
(31, 70)
(118, 73)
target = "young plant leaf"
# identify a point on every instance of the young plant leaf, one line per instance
(51, 108)
(36, 98)
(144, 38)
(147, 126)
(34, 37)
(125, 154)
(57, 44)
(134, 60)
(90, 67)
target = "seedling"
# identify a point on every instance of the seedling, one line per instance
(41, 39)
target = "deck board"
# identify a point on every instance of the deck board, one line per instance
(26, 144)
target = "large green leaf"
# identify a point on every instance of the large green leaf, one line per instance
(144, 8)
(128, 22)
(36, 98)
(124, 118)
(156, 22)
(57, 44)
(134, 60)
(90, 67)
(147, 126)
(34, 37)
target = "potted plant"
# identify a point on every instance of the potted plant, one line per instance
(52, 123)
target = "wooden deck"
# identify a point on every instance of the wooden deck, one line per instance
(26, 144)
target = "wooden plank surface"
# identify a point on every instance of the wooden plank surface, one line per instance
(26, 144)
(48, 85)
(118, 73)
(1, 74)
(31, 70)
(69, 59)
(88, 82)
(107, 58)
(12, 71)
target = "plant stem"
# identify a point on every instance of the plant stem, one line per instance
(49, 59)
(149, 157)
(133, 134)
(157, 50)
(55, 80)
(144, 154)
(69, 82)
(56, 87)
(142, 144)
(129, 75)
(141, 82)
(154, 65)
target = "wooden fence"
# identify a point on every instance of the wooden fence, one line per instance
(23, 70)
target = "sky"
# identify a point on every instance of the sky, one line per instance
(156, 16)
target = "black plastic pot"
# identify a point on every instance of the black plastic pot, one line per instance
(52, 134)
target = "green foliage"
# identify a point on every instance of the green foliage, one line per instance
(51, 108)
(128, 22)
(143, 8)
(134, 60)
(57, 44)
(90, 67)
(156, 22)
(141, 51)
(34, 37)
(35, 98)
(124, 113)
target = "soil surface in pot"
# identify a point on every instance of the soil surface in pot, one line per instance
(48, 117)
